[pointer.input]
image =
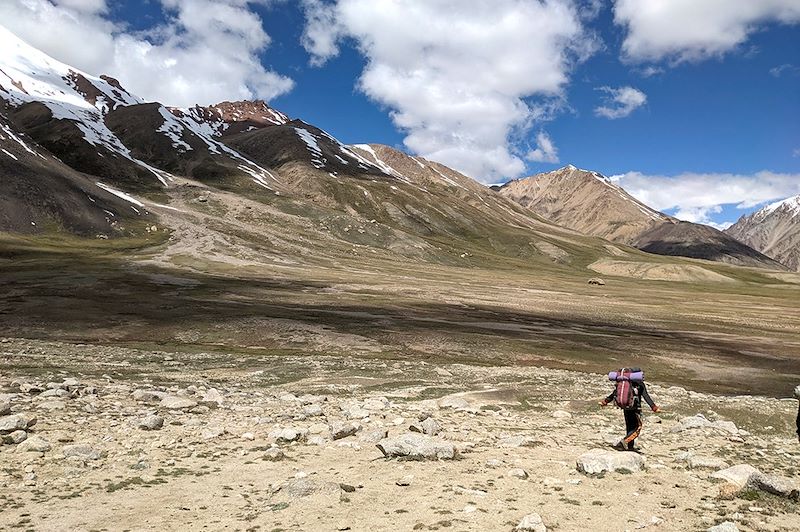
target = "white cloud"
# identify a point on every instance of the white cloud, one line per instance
(545, 152)
(786, 68)
(696, 197)
(458, 81)
(620, 102)
(690, 30)
(204, 52)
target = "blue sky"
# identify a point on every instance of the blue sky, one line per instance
(694, 105)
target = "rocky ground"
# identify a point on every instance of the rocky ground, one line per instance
(109, 438)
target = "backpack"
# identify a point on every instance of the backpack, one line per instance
(627, 395)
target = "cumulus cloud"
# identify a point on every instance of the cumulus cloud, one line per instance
(695, 197)
(459, 82)
(205, 51)
(690, 30)
(545, 152)
(620, 102)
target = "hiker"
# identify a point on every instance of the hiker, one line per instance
(797, 396)
(628, 394)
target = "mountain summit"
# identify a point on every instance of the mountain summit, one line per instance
(591, 203)
(773, 230)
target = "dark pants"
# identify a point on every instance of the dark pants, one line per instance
(633, 426)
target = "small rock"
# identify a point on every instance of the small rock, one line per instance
(405, 481)
(517, 473)
(13, 438)
(727, 526)
(561, 414)
(53, 405)
(531, 523)
(273, 454)
(341, 430)
(454, 402)
(494, 463)
(212, 433)
(249, 436)
(5, 408)
(373, 436)
(171, 402)
(313, 410)
(428, 426)
(797, 392)
(148, 396)
(287, 435)
(518, 441)
(706, 462)
(212, 398)
(596, 281)
(34, 444)
(151, 422)
(417, 447)
(82, 451)
(599, 460)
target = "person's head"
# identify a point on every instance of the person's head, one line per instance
(797, 392)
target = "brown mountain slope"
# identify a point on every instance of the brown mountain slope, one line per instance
(592, 204)
(585, 201)
(40, 193)
(774, 231)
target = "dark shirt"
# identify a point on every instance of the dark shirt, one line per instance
(640, 391)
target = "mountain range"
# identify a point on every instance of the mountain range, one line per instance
(773, 230)
(79, 154)
(593, 204)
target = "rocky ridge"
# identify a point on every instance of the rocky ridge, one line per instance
(773, 230)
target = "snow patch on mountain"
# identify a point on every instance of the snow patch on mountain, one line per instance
(173, 129)
(790, 205)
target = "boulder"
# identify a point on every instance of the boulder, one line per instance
(13, 438)
(16, 422)
(151, 422)
(417, 447)
(34, 444)
(428, 426)
(172, 402)
(341, 430)
(737, 475)
(531, 523)
(776, 485)
(599, 460)
(81, 451)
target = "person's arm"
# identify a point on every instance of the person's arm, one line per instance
(648, 399)
(798, 423)
(610, 398)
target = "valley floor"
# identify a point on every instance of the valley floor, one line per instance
(249, 446)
